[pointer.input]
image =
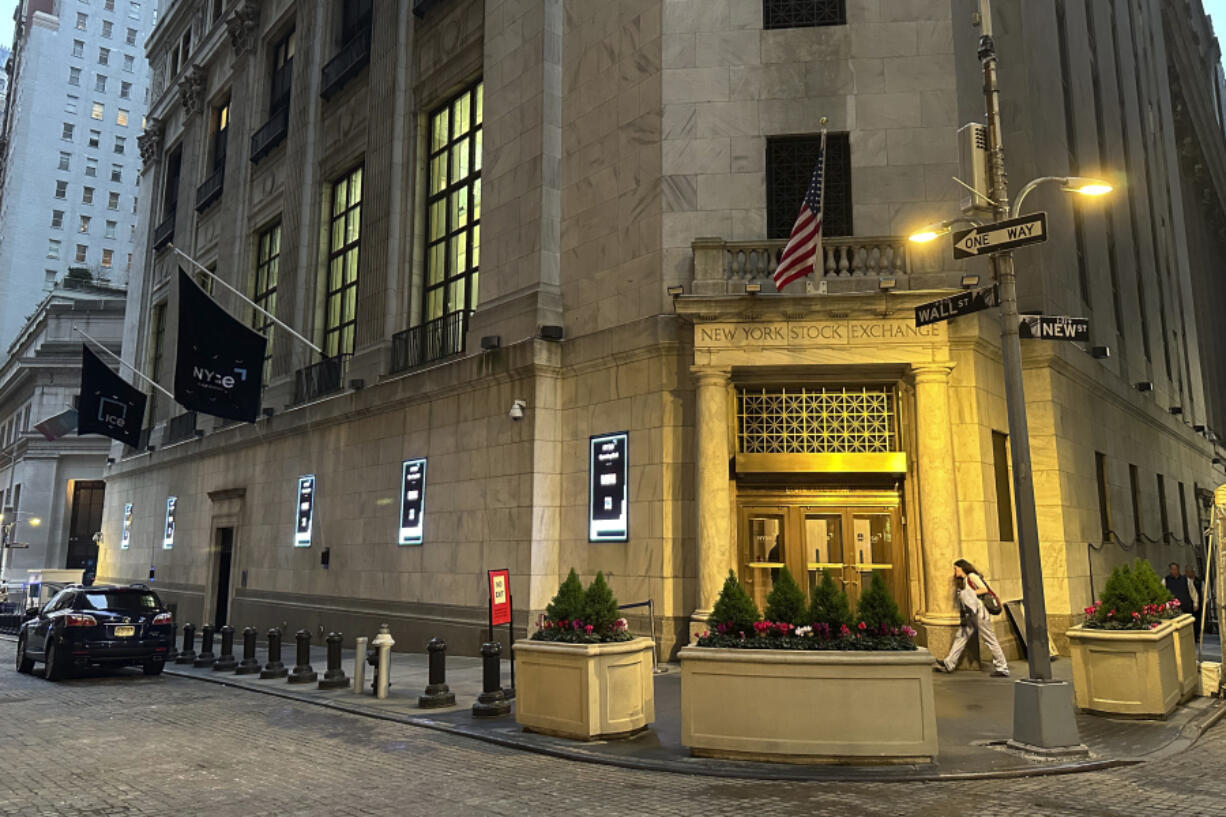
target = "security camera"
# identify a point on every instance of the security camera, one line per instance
(517, 410)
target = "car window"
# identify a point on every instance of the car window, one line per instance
(58, 602)
(119, 600)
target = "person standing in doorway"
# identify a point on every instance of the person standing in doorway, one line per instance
(1180, 588)
(976, 621)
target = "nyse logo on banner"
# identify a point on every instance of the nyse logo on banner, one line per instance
(218, 359)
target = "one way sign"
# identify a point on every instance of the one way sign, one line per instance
(1054, 327)
(1003, 235)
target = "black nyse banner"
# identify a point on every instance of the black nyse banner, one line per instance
(108, 405)
(219, 361)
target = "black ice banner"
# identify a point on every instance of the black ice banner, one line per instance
(219, 361)
(108, 404)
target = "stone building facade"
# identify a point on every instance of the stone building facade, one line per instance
(557, 207)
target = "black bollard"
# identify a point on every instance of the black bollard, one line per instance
(274, 668)
(206, 657)
(249, 665)
(334, 677)
(226, 660)
(491, 703)
(173, 652)
(437, 693)
(303, 674)
(188, 654)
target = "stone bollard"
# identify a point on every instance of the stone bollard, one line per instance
(491, 703)
(206, 657)
(188, 654)
(383, 642)
(303, 674)
(249, 665)
(173, 652)
(274, 668)
(334, 676)
(359, 663)
(226, 661)
(437, 693)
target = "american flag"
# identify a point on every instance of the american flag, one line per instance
(804, 248)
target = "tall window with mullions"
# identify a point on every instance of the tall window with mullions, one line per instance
(264, 287)
(344, 241)
(453, 206)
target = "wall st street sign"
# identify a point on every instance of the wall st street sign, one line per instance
(1000, 236)
(1054, 327)
(964, 303)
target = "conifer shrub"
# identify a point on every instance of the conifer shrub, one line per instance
(877, 609)
(786, 601)
(567, 605)
(1133, 598)
(734, 610)
(828, 605)
(575, 616)
(599, 606)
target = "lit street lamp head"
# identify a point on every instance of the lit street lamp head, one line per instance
(1087, 186)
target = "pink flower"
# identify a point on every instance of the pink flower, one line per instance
(1135, 614)
(1089, 611)
(862, 626)
(843, 630)
(588, 629)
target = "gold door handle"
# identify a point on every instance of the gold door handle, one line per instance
(865, 567)
(825, 565)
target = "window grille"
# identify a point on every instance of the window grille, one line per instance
(816, 420)
(803, 13)
(789, 168)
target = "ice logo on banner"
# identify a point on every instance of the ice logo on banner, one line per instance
(126, 539)
(168, 537)
(412, 501)
(608, 508)
(306, 510)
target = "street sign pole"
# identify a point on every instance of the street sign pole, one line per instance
(1042, 710)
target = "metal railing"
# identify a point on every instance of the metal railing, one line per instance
(842, 257)
(210, 190)
(180, 428)
(353, 57)
(430, 341)
(164, 233)
(320, 379)
(270, 134)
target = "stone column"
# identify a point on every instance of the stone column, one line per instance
(941, 540)
(711, 489)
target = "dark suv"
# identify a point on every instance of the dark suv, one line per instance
(96, 626)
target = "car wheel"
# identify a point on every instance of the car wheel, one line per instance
(54, 669)
(154, 667)
(25, 664)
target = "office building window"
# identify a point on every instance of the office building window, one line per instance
(120, 142)
(91, 166)
(1104, 496)
(355, 18)
(344, 242)
(1134, 486)
(108, 5)
(53, 248)
(65, 160)
(106, 29)
(129, 62)
(100, 83)
(803, 13)
(264, 287)
(108, 258)
(121, 118)
(96, 110)
(74, 76)
(78, 48)
(170, 193)
(134, 11)
(157, 338)
(1004, 500)
(112, 200)
(82, 21)
(117, 173)
(70, 104)
(61, 189)
(125, 90)
(282, 73)
(1183, 514)
(221, 126)
(790, 162)
(84, 228)
(95, 136)
(1163, 512)
(66, 133)
(104, 56)
(112, 229)
(453, 205)
(131, 38)
(87, 195)
(81, 250)
(57, 219)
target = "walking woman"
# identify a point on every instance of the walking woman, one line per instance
(975, 619)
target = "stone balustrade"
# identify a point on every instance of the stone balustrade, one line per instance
(725, 266)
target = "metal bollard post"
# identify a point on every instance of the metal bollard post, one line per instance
(359, 663)
(173, 652)
(303, 674)
(334, 677)
(249, 665)
(274, 668)
(491, 703)
(226, 660)
(437, 693)
(206, 657)
(188, 654)
(383, 642)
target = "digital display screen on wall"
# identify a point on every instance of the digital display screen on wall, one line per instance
(412, 501)
(168, 535)
(126, 538)
(305, 512)
(608, 508)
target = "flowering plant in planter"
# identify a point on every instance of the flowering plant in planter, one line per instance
(825, 623)
(576, 616)
(1134, 598)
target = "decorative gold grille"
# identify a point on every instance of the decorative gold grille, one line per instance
(818, 420)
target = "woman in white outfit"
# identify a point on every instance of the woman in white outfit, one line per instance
(975, 619)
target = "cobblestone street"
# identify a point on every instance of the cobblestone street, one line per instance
(124, 744)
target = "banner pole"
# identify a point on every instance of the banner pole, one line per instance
(247, 300)
(123, 362)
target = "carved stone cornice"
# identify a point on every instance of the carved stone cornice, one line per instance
(244, 27)
(191, 89)
(150, 142)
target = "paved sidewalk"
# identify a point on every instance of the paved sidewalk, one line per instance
(974, 716)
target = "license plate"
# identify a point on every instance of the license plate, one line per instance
(125, 632)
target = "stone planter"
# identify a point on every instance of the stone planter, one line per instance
(799, 706)
(1185, 656)
(584, 691)
(1126, 672)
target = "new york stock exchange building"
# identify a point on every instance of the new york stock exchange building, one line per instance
(534, 242)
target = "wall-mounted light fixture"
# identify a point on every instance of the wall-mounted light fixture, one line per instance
(1145, 385)
(491, 342)
(970, 280)
(1100, 352)
(1176, 410)
(887, 282)
(753, 288)
(676, 291)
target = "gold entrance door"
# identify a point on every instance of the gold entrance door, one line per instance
(853, 535)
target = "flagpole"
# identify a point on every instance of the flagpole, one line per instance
(247, 300)
(818, 266)
(123, 362)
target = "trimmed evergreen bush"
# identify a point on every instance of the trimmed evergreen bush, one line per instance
(568, 604)
(599, 606)
(578, 617)
(786, 601)
(734, 610)
(877, 608)
(1149, 585)
(1133, 598)
(829, 606)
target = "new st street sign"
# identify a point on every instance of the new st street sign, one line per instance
(1001, 236)
(1054, 327)
(964, 303)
